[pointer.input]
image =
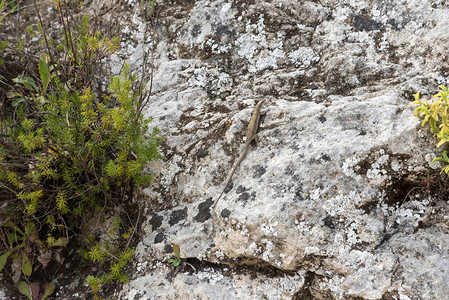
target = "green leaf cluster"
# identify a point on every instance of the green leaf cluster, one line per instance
(21, 256)
(71, 151)
(118, 260)
(435, 113)
(3, 44)
(80, 143)
(177, 260)
(31, 291)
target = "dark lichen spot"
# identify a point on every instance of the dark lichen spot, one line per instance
(159, 238)
(241, 189)
(201, 153)
(277, 132)
(229, 187)
(168, 248)
(224, 30)
(225, 213)
(393, 24)
(325, 157)
(289, 171)
(156, 222)
(328, 221)
(322, 118)
(298, 195)
(259, 171)
(196, 30)
(244, 196)
(361, 23)
(204, 211)
(177, 215)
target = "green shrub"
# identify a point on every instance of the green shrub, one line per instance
(3, 44)
(435, 113)
(69, 153)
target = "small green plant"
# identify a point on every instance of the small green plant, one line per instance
(147, 8)
(32, 291)
(103, 252)
(2, 14)
(177, 260)
(71, 152)
(9, 7)
(435, 113)
(4, 11)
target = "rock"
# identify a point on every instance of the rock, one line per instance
(209, 283)
(339, 198)
(332, 189)
(422, 262)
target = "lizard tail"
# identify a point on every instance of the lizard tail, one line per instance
(221, 194)
(241, 158)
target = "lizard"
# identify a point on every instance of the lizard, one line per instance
(250, 136)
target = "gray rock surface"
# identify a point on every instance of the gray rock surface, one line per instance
(332, 195)
(163, 282)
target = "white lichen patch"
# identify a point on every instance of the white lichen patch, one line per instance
(349, 166)
(244, 231)
(312, 250)
(341, 204)
(171, 170)
(209, 275)
(378, 172)
(303, 57)
(315, 194)
(268, 227)
(257, 50)
(219, 254)
(255, 249)
(211, 78)
(199, 78)
(267, 253)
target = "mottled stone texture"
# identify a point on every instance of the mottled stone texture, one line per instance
(334, 193)
(335, 200)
